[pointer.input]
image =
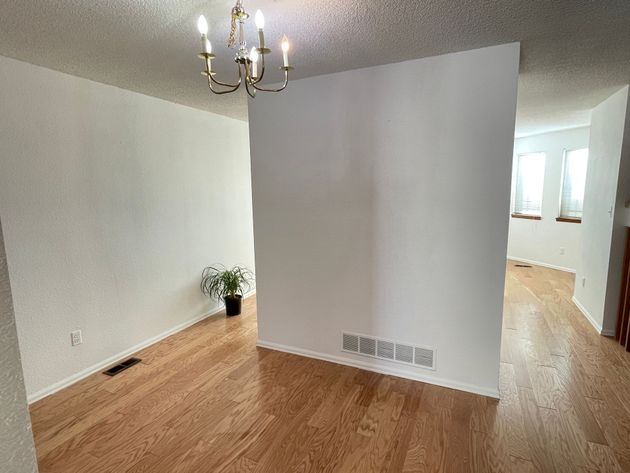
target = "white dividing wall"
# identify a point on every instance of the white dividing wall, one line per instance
(620, 224)
(381, 201)
(603, 235)
(112, 203)
(542, 241)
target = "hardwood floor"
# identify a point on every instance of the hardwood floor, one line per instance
(207, 400)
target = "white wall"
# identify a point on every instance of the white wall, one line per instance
(112, 203)
(619, 229)
(540, 241)
(381, 201)
(17, 450)
(603, 233)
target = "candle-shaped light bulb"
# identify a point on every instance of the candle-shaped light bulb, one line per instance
(259, 19)
(285, 50)
(202, 25)
(285, 44)
(206, 46)
(254, 58)
(208, 49)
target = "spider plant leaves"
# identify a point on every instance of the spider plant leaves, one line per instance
(218, 282)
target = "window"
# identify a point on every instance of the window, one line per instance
(530, 175)
(573, 183)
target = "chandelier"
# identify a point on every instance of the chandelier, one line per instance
(246, 60)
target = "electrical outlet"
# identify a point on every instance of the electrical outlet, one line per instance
(561, 250)
(583, 282)
(76, 338)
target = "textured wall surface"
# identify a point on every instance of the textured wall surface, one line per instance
(17, 452)
(574, 51)
(112, 204)
(619, 231)
(385, 211)
(603, 232)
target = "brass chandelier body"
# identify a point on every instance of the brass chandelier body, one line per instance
(246, 61)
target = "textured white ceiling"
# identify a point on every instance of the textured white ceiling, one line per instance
(574, 52)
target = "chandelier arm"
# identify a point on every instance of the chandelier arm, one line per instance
(231, 88)
(284, 85)
(234, 86)
(224, 84)
(220, 92)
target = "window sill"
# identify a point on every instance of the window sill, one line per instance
(526, 216)
(568, 219)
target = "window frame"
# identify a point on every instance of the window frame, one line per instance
(513, 213)
(560, 217)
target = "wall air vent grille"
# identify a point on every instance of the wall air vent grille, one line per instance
(367, 346)
(418, 356)
(423, 357)
(350, 342)
(385, 349)
(404, 353)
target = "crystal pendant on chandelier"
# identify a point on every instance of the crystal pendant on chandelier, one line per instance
(246, 60)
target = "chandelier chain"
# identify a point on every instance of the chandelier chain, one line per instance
(236, 10)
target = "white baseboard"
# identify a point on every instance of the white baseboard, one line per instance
(590, 318)
(392, 371)
(539, 263)
(64, 383)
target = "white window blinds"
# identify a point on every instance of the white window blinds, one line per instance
(530, 175)
(573, 183)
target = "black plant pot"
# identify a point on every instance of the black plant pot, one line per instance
(233, 305)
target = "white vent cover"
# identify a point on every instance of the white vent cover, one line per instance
(398, 352)
(404, 353)
(367, 346)
(350, 342)
(385, 349)
(423, 357)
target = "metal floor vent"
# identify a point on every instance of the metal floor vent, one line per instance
(522, 265)
(122, 366)
(398, 352)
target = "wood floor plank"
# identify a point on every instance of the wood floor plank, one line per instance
(489, 456)
(377, 427)
(504, 419)
(546, 384)
(539, 446)
(567, 452)
(427, 448)
(616, 428)
(289, 442)
(394, 460)
(603, 458)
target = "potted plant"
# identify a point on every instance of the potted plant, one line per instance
(220, 283)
